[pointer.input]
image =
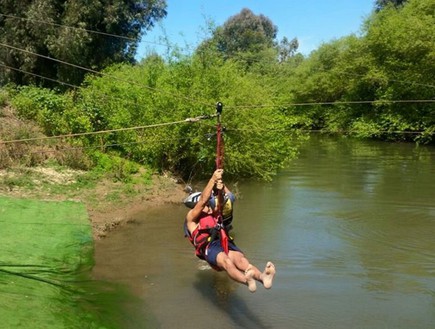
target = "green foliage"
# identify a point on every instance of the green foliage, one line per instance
(134, 115)
(54, 112)
(370, 79)
(154, 93)
(12, 181)
(4, 97)
(118, 168)
(245, 32)
(381, 4)
(249, 39)
(287, 49)
(62, 30)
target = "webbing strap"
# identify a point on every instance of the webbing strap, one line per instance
(220, 165)
(219, 158)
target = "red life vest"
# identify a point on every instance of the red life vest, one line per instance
(203, 234)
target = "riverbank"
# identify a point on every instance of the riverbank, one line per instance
(109, 204)
(109, 201)
(107, 216)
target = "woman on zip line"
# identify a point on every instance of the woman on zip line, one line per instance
(206, 231)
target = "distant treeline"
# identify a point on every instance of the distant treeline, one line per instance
(379, 84)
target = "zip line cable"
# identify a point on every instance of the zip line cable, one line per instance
(252, 106)
(389, 79)
(39, 76)
(156, 90)
(380, 101)
(285, 130)
(75, 148)
(383, 101)
(186, 98)
(79, 29)
(199, 118)
(323, 131)
(189, 120)
(112, 96)
(51, 59)
(228, 130)
(101, 73)
(254, 131)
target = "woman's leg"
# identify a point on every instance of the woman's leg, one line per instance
(242, 263)
(239, 269)
(226, 262)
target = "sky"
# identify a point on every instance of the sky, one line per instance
(312, 22)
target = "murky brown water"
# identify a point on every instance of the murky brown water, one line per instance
(350, 227)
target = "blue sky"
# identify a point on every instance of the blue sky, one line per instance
(312, 22)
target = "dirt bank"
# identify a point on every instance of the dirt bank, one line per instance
(108, 216)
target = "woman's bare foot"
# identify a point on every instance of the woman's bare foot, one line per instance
(250, 281)
(267, 275)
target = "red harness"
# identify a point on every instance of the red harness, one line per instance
(203, 234)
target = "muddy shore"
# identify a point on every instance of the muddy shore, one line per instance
(109, 216)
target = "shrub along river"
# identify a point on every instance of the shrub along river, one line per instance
(350, 226)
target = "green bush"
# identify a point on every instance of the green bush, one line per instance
(117, 168)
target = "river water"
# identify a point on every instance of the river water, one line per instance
(350, 226)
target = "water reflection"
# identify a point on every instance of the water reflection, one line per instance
(221, 292)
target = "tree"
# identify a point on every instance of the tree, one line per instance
(287, 49)
(377, 80)
(250, 40)
(245, 32)
(89, 34)
(381, 4)
(402, 45)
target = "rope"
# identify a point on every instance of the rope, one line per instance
(99, 73)
(375, 102)
(190, 120)
(39, 76)
(220, 192)
(379, 102)
(80, 29)
(220, 165)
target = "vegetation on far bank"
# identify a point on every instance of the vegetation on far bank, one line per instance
(129, 119)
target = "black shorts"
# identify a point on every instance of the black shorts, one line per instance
(214, 248)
